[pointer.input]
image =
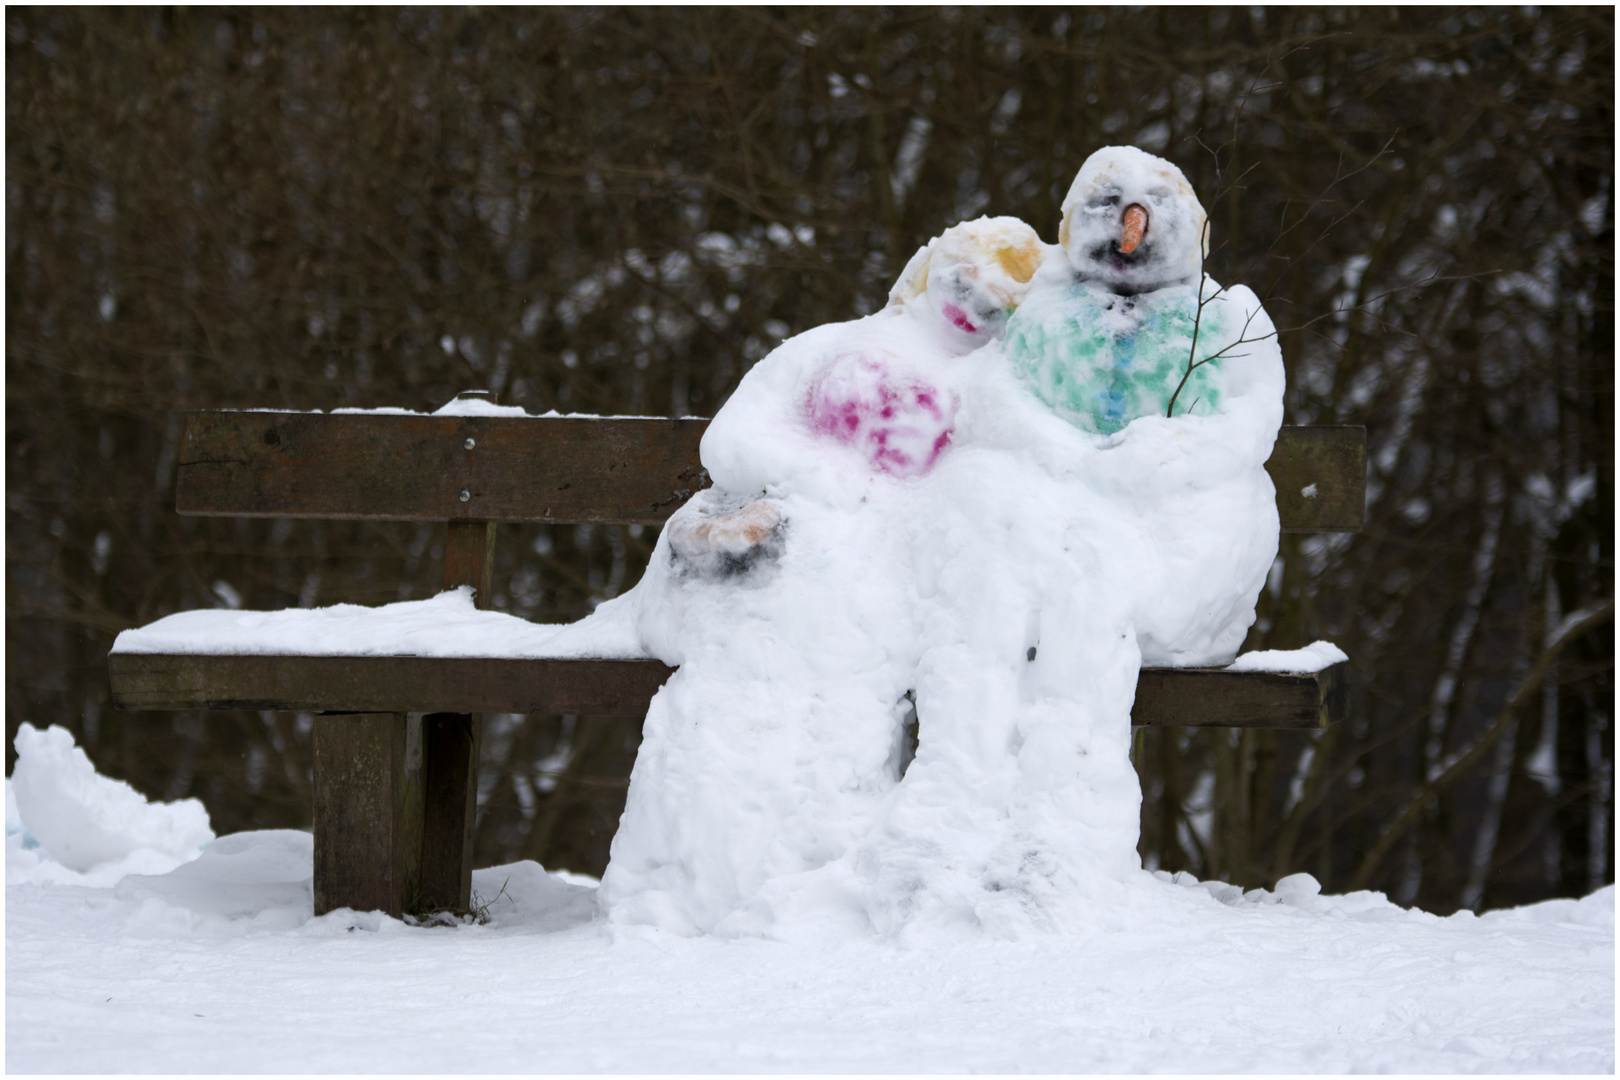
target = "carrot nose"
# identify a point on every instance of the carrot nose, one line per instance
(1136, 221)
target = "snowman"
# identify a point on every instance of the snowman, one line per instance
(908, 509)
(1127, 340)
(781, 594)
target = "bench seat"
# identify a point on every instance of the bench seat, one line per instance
(590, 686)
(445, 655)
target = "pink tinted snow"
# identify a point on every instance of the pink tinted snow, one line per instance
(959, 318)
(901, 423)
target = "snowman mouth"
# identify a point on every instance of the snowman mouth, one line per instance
(1118, 259)
(958, 318)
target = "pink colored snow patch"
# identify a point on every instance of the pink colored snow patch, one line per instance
(959, 318)
(901, 423)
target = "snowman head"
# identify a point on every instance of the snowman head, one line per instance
(967, 281)
(1132, 224)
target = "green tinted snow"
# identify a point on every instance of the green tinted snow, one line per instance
(1102, 361)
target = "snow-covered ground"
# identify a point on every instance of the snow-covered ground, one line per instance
(219, 966)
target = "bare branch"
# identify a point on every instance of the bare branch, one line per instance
(1577, 627)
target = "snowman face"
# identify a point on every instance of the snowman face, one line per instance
(971, 300)
(966, 282)
(1132, 223)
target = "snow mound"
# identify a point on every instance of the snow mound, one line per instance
(1316, 656)
(171, 877)
(265, 876)
(477, 406)
(445, 625)
(87, 822)
(525, 894)
(1596, 911)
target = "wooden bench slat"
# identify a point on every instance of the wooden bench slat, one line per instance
(1187, 697)
(384, 683)
(614, 470)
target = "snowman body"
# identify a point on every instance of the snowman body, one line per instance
(1129, 341)
(1102, 360)
(784, 593)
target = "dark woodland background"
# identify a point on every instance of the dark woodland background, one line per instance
(619, 211)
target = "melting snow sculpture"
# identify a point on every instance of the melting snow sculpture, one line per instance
(894, 510)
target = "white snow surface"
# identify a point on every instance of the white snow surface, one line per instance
(1314, 657)
(454, 407)
(92, 825)
(465, 407)
(219, 966)
(444, 625)
(449, 625)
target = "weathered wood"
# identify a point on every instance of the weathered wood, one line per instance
(450, 747)
(613, 470)
(1321, 478)
(1210, 697)
(469, 558)
(422, 468)
(450, 743)
(367, 811)
(384, 683)
(1189, 697)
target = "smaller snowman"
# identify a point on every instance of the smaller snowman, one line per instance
(781, 594)
(840, 405)
(1131, 326)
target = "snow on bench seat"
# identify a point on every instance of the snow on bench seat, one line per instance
(445, 625)
(444, 655)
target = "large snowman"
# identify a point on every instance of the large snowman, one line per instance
(1181, 381)
(911, 512)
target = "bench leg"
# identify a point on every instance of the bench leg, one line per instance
(450, 743)
(368, 812)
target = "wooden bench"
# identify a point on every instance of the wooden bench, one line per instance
(396, 738)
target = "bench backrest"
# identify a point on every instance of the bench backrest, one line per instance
(611, 470)
(475, 471)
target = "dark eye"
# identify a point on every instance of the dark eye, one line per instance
(1102, 202)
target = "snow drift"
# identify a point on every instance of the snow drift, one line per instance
(88, 823)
